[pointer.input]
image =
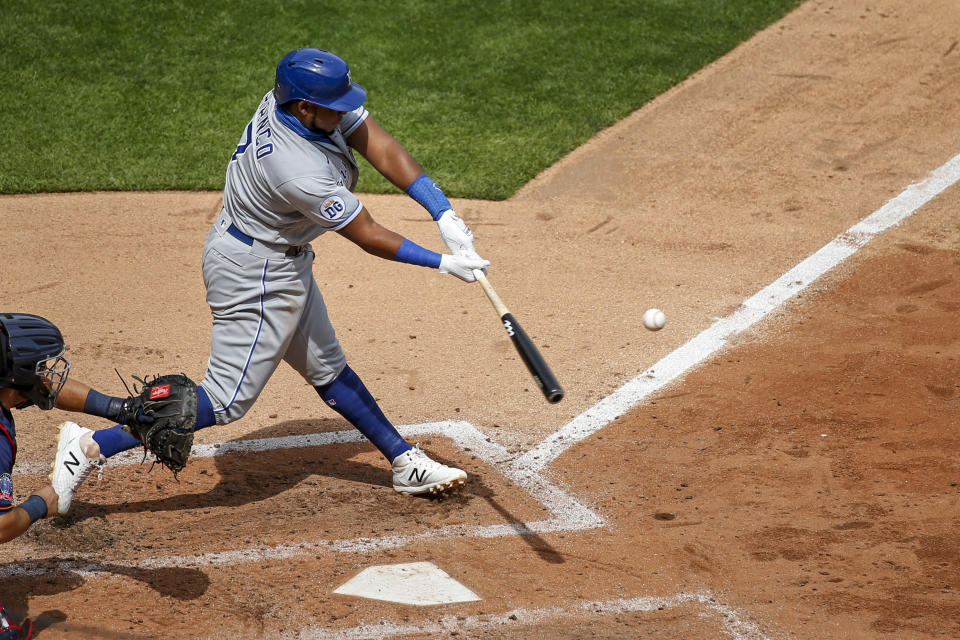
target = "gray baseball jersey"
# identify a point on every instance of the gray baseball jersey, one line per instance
(285, 186)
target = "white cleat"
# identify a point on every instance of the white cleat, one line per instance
(415, 473)
(71, 466)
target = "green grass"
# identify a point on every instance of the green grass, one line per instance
(113, 94)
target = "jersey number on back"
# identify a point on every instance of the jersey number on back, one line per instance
(262, 150)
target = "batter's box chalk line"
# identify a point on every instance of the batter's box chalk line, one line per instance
(566, 512)
(730, 619)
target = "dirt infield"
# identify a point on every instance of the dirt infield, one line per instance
(801, 482)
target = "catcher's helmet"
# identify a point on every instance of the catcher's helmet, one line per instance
(31, 358)
(319, 77)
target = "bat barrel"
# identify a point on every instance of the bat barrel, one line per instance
(531, 357)
(554, 395)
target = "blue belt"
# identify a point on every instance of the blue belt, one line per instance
(291, 252)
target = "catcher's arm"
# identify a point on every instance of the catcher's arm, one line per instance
(16, 521)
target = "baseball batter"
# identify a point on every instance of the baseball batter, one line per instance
(289, 181)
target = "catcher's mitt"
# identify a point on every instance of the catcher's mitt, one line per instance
(163, 416)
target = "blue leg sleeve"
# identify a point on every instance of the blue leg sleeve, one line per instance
(349, 397)
(205, 416)
(114, 440)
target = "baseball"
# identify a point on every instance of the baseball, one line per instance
(654, 319)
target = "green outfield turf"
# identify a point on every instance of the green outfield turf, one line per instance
(111, 94)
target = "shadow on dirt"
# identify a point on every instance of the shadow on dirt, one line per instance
(540, 546)
(249, 477)
(47, 578)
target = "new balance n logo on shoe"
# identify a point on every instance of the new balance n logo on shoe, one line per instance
(414, 473)
(73, 462)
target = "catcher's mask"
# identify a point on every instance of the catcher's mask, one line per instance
(319, 77)
(31, 358)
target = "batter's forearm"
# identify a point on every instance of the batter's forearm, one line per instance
(430, 196)
(370, 236)
(399, 167)
(391, 159)
(386, 154)
(385, 252)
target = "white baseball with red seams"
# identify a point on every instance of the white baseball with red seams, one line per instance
(654, 319)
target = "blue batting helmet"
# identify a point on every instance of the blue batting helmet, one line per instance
(31, 358)
(319, 77)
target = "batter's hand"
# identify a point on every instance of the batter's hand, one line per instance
(456, 234)
(463, 266)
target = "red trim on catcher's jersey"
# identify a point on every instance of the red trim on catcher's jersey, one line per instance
(26, 629)
(6, 419)
(13, 444)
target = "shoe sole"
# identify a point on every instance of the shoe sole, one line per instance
(53, 465)
(439, 489)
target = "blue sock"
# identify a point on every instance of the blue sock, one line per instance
(347, 396)
(114, 440)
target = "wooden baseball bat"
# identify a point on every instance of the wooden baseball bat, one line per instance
(538, 367)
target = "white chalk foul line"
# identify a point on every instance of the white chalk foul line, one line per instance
(730, 619)
(566, 512)
(746, 315)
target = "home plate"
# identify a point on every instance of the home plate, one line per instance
(418, 583)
